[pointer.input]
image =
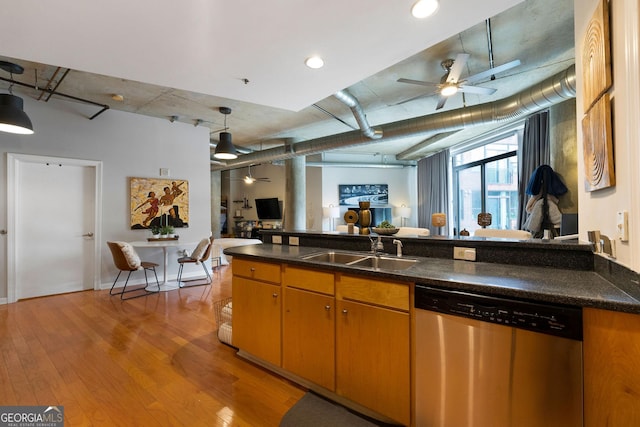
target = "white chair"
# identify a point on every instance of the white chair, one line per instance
(343, 228)
(412, 231)
(505, 234)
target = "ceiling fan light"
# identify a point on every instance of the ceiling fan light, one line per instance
(225, 149)
(424, 8)
(12, 117)
(449, 90)
(249, 179)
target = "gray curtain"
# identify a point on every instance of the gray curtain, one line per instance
(433, 190)
(535, 151)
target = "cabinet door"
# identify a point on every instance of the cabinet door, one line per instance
(372, 358)
(611, 368)
(309, 336)
(256, 318)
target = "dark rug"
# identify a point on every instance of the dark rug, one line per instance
(315, 411)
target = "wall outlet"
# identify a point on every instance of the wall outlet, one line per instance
(276, 240)
(468, 254)
(622, 224)
(294, 241)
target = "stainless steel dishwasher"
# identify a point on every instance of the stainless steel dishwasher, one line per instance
(486, 361)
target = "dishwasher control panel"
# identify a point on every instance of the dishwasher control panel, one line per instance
(558, 320)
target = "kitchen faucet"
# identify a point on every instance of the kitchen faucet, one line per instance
(376, 246)
(398, 243)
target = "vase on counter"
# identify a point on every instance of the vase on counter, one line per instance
(365, 217)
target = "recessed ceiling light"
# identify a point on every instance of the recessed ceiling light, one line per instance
(117, 97)
(314, 62)
(424, 8)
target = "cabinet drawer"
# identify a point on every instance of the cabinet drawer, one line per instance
(385, 294)
(310, 280)
(257, 270)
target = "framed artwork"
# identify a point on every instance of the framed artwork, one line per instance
(596, 56)
(598, 146)
(158, 202)
(351, 194)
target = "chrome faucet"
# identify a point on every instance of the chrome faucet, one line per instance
(376, 245)
(398, 243)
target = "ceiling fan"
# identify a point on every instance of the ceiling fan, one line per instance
(250, 179)
(450, 83)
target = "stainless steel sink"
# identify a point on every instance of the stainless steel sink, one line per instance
(335, 257)
(384, 263)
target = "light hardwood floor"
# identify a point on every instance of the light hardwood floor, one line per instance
(151, 361)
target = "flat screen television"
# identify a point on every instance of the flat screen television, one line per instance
(268, 208)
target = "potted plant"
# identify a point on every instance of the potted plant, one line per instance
(166, 231)
(155, 232)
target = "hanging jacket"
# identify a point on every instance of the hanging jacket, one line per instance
(536, 215)
(555, 186)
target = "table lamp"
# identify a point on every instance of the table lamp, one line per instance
(404, 212)
(438, 219)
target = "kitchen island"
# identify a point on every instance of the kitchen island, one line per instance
(384, 297)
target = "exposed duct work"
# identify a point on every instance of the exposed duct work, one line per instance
(358, 113)
(553, 90)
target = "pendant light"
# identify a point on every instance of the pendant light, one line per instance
(225, 149)
(13, 119)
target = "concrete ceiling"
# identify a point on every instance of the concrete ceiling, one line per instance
(188, 60)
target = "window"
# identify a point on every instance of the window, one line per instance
(485, 179)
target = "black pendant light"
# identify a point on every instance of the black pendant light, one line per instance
(225, 149)
(13, 119)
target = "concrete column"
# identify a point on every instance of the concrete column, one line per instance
(295, 194)
(216, 199)
(564, 151)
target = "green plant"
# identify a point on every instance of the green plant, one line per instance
(155, 230)
(166, 229)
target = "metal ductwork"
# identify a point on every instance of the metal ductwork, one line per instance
(553, 90)
(351, 102)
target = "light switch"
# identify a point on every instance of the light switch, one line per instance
(622, 224)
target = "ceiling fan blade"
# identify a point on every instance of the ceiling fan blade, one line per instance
(413, 98)
(457, 67)
(441, 102)
(491, 71)
(479, 90)
(417, 82)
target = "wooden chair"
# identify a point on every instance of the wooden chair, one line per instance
(126, 258)
(200, 255)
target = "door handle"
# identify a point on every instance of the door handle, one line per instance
(87, 235)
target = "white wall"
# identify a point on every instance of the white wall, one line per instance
(597, 209)
(402, 189)
(129, 145)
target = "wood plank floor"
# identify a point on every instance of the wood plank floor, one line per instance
(151, 361)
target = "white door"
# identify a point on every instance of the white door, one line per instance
(54, 226)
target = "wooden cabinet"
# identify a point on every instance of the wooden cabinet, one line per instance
(257, 309)
(373, 345)
(611, 368)
(348, 335)
(308, 328)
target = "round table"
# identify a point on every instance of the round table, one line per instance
(164, 245)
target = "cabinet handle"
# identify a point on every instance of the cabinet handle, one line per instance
(327, 307)
(275, 295)
(252, 269)
(344, 311)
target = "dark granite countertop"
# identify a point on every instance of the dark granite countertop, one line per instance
(555, 285)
